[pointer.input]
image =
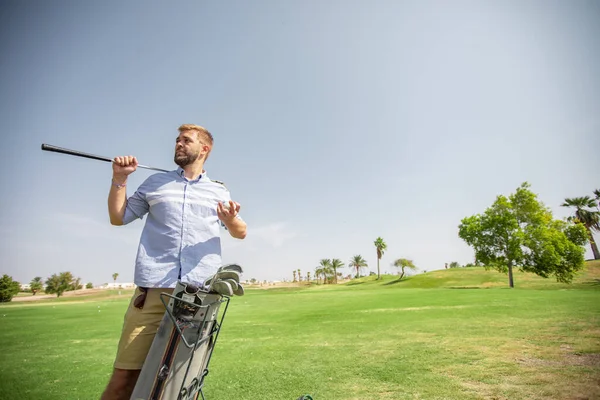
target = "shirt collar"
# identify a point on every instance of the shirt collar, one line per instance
(203, 176)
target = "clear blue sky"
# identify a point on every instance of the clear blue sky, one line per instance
(335, 121)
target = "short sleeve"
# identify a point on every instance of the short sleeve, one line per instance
(137, 206)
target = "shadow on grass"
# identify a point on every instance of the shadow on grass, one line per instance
(593, 283)
(395, 281)
(354, 283)
(464, 287)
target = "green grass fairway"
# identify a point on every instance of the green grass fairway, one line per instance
(358, 341)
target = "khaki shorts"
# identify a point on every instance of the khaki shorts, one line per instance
(139, 328)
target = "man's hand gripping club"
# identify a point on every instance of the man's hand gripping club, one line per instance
(117, 197)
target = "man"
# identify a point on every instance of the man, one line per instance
(180, 241)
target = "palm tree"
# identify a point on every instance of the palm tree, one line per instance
(404, 263)
(589, 218)
(381, 247)
(325, 269)
(36, 285)
(335, 264)
(308, 276)
(299, 276)
(318, 272)
(115, 276)
(357, 262)
(294, 276)
(597, 194)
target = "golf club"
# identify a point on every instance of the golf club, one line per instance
(49, 147)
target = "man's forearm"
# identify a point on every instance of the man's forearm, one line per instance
(117, 200)
(237, 228)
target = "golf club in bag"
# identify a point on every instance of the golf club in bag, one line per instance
(177, 363)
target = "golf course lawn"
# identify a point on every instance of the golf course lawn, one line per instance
(364, 339)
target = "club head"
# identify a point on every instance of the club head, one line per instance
(232, 283)
(221, 287)
(232, 267)
(239, 291)
(228, 275)
(220, 275)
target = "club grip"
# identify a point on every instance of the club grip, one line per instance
(56, 149)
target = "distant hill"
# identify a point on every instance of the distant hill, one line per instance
(478, 277)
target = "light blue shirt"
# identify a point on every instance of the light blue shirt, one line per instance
(181, 236)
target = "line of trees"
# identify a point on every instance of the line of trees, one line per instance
(357, 263)
(55, 284)
(456, 264)
(327, 272)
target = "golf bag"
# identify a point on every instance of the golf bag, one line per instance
(177, 363)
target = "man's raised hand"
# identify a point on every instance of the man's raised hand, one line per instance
(228, 212)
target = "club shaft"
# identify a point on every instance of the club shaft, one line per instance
(77, 153)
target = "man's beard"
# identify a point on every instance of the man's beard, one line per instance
(184, 158)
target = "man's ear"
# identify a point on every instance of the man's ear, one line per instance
(206, 149)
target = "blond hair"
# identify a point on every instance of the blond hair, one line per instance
(202, 132)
